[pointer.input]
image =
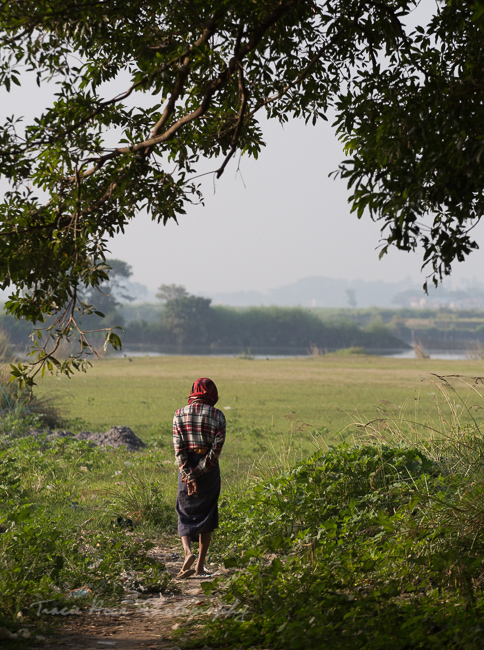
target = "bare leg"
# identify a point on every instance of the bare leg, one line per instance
(204, 543)
(189, 557)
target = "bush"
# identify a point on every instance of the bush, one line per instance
(365, 546)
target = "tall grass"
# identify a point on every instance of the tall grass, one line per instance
(453, 438)
(142, 498)
(20, 410)
(284, 451)
(449, 431)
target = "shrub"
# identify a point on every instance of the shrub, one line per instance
(365, 546)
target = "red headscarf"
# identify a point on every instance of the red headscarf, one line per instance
(204, 390)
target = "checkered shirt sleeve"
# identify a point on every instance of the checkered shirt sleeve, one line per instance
(198, 426)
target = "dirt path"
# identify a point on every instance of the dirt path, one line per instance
(140, 621)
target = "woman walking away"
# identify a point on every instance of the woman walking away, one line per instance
(198, 438)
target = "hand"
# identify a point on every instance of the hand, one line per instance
(192, 488)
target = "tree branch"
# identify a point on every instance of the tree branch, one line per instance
(240, 121)
(211, 88)
(183, 74)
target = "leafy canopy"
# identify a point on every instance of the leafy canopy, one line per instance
(196, 77)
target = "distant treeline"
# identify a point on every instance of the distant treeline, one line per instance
(190, 325)
(444, 328)
(190, 322)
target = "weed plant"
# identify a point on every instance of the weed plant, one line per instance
(142, 499)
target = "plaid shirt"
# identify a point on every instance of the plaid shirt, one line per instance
(198, 426)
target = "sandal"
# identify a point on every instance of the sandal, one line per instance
(189, 560)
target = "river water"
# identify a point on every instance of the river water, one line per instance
(447, 355)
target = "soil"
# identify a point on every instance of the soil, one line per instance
(115, 437)
(141, 620)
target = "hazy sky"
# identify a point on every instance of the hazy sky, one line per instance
(276, 221)
(280, 219)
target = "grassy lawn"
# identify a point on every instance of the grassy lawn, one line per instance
(326, 392)
(277, 410)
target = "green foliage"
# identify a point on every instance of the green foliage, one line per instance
(18, 423)
(55, 525)
(360, 547)
(42, 561)
(365, 480)
(189, 323)
(412, 130)
(188, 319)
(21, 411)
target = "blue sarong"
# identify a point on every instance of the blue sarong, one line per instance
(198, 514)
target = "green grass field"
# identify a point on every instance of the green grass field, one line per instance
(326, 392)
(277, 410)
